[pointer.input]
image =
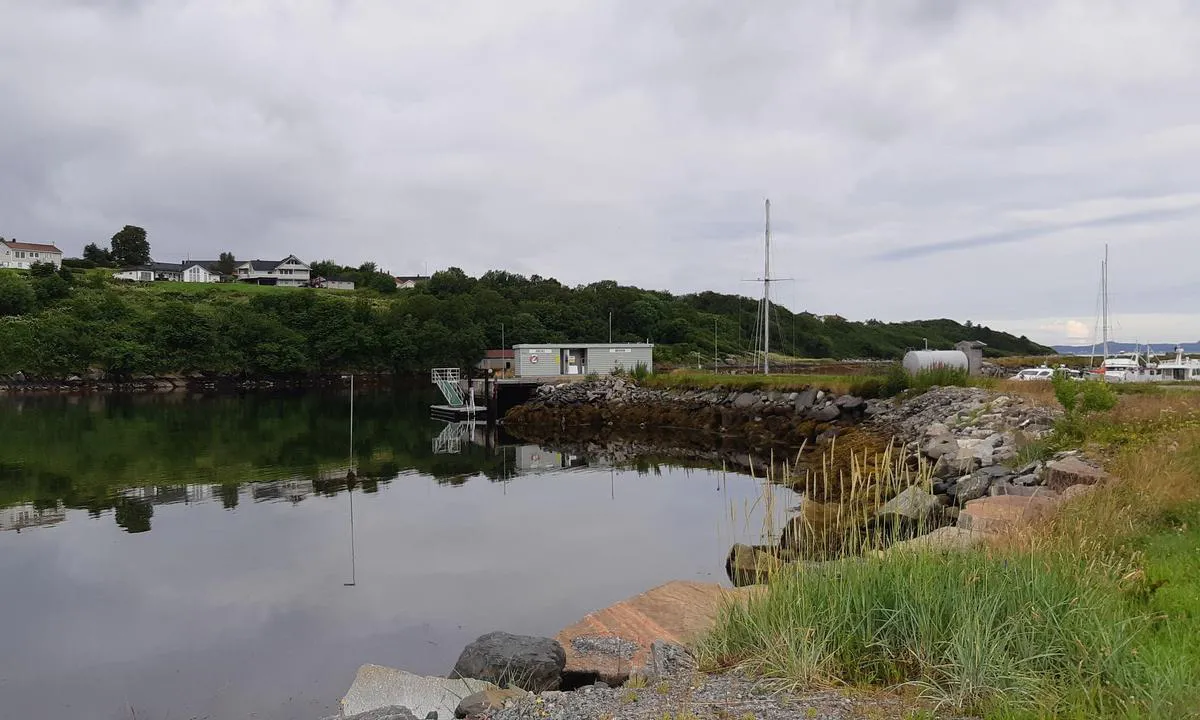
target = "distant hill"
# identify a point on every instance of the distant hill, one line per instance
(1158, 348)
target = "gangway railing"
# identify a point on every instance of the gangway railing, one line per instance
(448, 381)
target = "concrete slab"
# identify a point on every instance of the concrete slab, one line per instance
(1001, 513)
(612, 642)
(377, 687)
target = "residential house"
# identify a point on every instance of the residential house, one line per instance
(409, 281)
(191, 271)
(332, 282)
(286, 272)
(21, 255)
(21, 517)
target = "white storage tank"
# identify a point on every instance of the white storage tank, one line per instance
(918, 360)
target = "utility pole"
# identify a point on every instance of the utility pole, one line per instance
(714, 346)
(767, 296)
(1104, 298)
(610, 327)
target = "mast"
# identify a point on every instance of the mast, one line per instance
(767, 296)
(1104, 298)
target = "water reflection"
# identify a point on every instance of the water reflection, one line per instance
(189, 558)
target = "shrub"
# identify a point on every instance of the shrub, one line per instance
(867, 388)
(640, 372)
(939, 376)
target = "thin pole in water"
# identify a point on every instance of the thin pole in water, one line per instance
(350, 492)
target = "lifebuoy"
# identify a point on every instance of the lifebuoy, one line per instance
(533, 359)
(535, 457)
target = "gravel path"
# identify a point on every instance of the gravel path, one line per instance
(697, 696)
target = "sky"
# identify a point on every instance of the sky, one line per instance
(923, 158)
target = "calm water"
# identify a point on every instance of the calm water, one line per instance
(180, 557)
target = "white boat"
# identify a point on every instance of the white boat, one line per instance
(1181, 369)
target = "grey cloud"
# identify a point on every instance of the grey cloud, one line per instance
(566, 138)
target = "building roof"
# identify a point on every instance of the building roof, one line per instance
(267, 265)
(499, 354)
(581, 346)
(35, 247)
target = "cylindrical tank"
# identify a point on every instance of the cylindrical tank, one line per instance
(918, 360)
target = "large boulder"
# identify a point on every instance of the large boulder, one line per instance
(972, 487)
(483, 702)
(530, 663)
(828, 413)
(1062, 474)
(940, 445)
(804, 400)
(391, 712)
(912, 505)
(745, 400)
(748, 565)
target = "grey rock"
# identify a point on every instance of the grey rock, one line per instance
(972, 487)
(828, 413)
(848, 402)
(745, 400)
(667, 660)
(913, 504)
(479, 704)
(1061, 474)
(805, 399)
(391, 712)
(1027, 480)
(940, 445)
(530, 663)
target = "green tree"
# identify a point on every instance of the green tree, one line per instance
(227, 263)
(96, 254)
(130, 246)
(16, 295)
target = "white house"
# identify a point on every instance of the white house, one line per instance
(409, 281)
(191, 271)
(288, 271)
(21, 255)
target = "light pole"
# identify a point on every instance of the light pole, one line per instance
(350, 490)
(714, 346)
(610, 327)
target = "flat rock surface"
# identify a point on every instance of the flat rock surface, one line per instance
(999, 513)
(378, 687)
(1062, 474)
(612, 641)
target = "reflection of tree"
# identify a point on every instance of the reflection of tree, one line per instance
(228, 492)
(220, 442)
(134, 515)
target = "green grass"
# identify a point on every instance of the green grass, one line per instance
(1006, 635)
(690, 380)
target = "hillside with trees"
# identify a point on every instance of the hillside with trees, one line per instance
(57, 324)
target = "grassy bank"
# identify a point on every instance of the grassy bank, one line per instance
(1093, 614)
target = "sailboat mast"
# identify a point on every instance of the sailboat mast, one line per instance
(767, 296)
(1104, 301)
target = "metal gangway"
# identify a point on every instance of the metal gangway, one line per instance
(449, 381)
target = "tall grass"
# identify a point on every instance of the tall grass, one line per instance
(974, 631)
(1094, 613)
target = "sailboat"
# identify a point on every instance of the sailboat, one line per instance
(1126, 367)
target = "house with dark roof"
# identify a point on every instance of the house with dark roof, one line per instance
(190, 271)
(288, 272)
(21, 255)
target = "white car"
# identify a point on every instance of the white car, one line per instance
(1034, 374)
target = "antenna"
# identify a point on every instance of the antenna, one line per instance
(766, 280)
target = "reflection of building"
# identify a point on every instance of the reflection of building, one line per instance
(168, 494)
(533, 459)
(21, 517)
(293, 490)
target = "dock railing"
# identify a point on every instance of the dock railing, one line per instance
(449, 380)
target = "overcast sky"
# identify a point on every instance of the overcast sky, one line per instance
(924, 159)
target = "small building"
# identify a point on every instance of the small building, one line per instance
(332, 282)
(554, 359)
(973, 349)
(21, 255)
(409, 281)
(200, 271)
(499, 361)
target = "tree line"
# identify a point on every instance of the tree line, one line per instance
(57, 324)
